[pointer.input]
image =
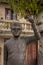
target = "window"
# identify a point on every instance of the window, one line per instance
(28, 26)
(23, 26)
(8, 14)
(14, 16)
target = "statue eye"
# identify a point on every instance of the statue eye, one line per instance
(39, 23)
(14, 29)
(19, 29)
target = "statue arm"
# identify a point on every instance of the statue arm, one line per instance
(35, 28)
(37, 35)
(36, 31)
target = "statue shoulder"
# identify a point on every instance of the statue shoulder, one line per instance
(7, 41)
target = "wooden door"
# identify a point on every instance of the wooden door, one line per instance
(31, 53)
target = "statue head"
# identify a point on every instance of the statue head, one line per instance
(40, 26)
(40, 23)
(16, 29)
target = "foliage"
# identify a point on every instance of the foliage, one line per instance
(3, 0)
(26, 7)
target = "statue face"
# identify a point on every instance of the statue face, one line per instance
(40, 22)
(16, 30)
(40, 26)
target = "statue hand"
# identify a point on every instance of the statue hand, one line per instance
(31, 19)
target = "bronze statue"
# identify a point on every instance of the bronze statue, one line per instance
(15, 48)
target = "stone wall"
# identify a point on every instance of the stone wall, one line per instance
(1, 51)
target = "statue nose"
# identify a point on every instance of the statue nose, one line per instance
(15, 29)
